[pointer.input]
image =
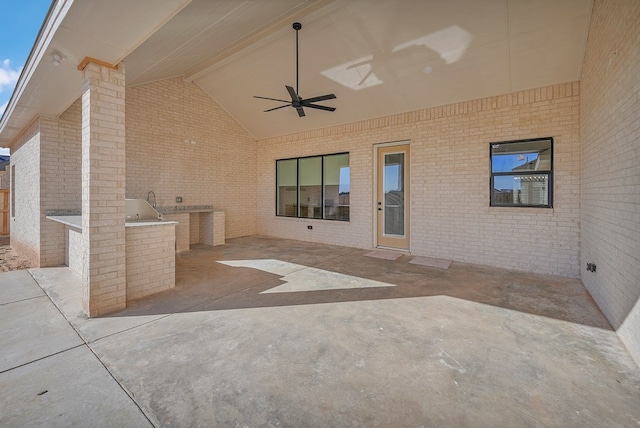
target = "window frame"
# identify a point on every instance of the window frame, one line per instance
(546, 172)
(322, 186)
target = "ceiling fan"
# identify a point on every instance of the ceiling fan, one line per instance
(297, 101)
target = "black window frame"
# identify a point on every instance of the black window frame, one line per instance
(548, 173)
(322, 187)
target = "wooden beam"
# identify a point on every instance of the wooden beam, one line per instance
(88, 59)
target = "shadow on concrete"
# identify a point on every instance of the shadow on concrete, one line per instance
(203, 283)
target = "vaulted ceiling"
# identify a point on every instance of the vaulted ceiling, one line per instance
(379, 57)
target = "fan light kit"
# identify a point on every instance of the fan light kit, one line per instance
(297, 101)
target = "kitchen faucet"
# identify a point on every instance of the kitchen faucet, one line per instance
(154, 198)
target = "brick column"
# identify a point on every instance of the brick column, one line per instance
(103, 189)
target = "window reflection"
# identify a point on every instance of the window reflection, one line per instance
(521, 173)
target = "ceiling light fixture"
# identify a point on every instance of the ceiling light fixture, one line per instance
(57, 57)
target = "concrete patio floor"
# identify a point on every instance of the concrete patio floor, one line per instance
(270, 332)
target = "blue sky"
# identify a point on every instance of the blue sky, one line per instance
(20, 21)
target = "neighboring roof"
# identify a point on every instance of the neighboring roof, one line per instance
(4, 161)
(379, 58)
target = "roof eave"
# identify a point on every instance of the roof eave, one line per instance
(55, 16)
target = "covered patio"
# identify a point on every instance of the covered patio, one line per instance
(485, 152)
(274, 332)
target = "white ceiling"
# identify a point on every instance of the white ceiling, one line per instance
(371, 53)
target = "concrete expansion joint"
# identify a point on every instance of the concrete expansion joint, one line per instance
(324, 262)
(115, 379)
(20, 300)
(88, 346)
(89, 343)
(42, 358)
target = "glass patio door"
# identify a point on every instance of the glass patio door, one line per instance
(392, 199)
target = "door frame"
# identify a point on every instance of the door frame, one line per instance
(374, 196)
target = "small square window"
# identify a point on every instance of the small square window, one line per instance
(522, 173)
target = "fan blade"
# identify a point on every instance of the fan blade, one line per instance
(271, 99)
(292, 93)
(320, 107)
(300, 111)
(316, 99)
(276, 108)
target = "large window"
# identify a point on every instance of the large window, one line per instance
(522, 173)
(313, 187)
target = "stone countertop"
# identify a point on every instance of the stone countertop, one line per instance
(69, 220)
(141, 223)
(63, 213)
(179, 209)
(176, 209)
(76, 221)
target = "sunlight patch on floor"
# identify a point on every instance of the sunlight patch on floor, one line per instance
(303, 278)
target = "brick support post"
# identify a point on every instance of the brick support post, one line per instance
(103, 189)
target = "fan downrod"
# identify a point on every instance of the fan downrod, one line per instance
(297, 102)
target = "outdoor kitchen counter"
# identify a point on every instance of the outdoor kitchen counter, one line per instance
(179, 209)
(149, 253)
(73, 244)
(76, 221)
(68, 220)
(198, 224)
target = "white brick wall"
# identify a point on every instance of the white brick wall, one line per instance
(25, 226)
(48, 169)
(74, 254)
(5, 178)
(151, 262)
(64, 190)
(219, 169)
(451, 217)
(610, 166)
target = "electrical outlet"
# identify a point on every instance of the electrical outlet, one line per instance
(178, 199)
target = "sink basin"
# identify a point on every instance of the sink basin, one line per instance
(140, 210)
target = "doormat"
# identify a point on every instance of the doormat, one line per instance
(431, 262)
(386, 255)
